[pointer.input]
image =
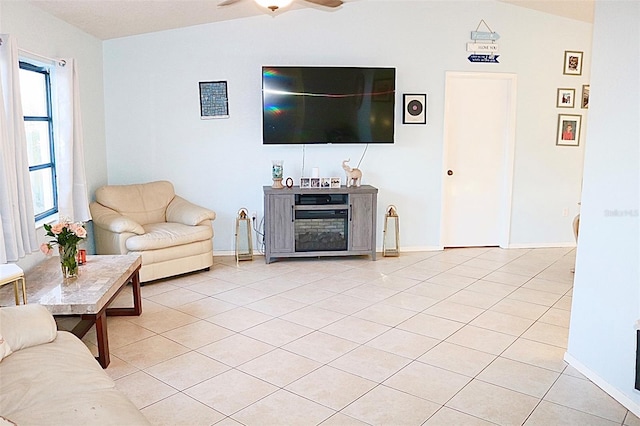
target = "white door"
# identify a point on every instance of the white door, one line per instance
(479, 137)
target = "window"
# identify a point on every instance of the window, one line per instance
(35, 85)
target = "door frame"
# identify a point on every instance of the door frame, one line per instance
(508, 150)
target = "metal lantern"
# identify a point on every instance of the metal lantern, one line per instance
(391, 234)
(244, 244)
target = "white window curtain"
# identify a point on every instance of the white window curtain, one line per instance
(73, 200)
(18, 230)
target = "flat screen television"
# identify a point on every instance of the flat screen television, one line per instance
(320, 105)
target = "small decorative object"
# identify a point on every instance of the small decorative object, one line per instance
(325, 182)
(244, 245)
(276, 174)
(214, 101)
(305, 182)
(354, 176)
(568, 130)
(391, 233)
(572, 62)
(335, 182)
(82, 256)
(585, 96)
(315, 182)
(66, 235)
(415, 109)
(566, 98)
(289, 182)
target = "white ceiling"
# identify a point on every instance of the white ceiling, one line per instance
(107, 19)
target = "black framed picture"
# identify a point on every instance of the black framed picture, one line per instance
(214, 102)
(415, 108)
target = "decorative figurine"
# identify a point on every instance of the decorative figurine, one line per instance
(354, 176)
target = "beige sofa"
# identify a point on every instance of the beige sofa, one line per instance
(172, 235)
(49, 377)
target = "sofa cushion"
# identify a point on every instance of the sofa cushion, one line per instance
(144, 203)
(16, 320)
(168, 234)
(61, 383)
(5, 349)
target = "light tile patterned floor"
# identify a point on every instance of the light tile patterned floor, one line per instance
(458, 337)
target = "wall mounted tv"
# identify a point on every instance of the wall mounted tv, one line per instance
(315, 105)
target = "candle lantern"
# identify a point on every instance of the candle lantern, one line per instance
(391, 234)
(244, 244)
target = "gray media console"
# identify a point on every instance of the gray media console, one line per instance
(320, 222)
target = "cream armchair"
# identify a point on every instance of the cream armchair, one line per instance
(172, 235)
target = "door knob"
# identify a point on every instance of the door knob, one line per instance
(450, 172)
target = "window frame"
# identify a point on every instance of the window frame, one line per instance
(44, 70)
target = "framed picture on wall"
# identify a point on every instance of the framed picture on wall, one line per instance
(566, 98)
(572, 62)
(214, 102)
(568, 133)
(585, 96)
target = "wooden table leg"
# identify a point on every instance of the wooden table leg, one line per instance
(102, 337)
(137, 299)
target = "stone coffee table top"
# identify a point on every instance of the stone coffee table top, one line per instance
(98, 280)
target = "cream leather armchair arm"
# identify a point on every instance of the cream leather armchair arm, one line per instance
(111, 229)
(182, 211)
(112, 221)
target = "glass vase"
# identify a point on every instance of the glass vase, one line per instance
(69, 260)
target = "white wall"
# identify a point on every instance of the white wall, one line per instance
(154, 131)
(41, 33)
(606, 295)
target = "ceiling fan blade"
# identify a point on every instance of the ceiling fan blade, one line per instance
(227, 2)
(327, 3)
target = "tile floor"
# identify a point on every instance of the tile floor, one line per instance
(457, 337)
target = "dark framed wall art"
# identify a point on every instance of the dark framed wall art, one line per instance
(214, 101)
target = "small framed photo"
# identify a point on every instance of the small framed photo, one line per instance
(305, 182)
(566, 98)
(325, 183)
(572, 62)
(335, 182)
(584, 104)
(568, 130)
(315, 182)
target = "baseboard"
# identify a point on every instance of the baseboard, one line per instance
(542, 245)
(418, 249)
(604, 385)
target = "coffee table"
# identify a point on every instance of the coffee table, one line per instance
(99, 281)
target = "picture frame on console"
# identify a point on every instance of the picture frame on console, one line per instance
(305, 182)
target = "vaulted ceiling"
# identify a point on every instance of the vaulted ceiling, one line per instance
(107, 19)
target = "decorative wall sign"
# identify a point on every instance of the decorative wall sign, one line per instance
(572, 62)
(415, 109)
(483, 45)
(568, 133)
(492, 59)
(214, 102)
(585, 96)
(566, 98)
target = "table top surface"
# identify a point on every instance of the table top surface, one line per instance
(99, 279)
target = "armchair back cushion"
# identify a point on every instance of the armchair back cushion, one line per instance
(144, 203)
